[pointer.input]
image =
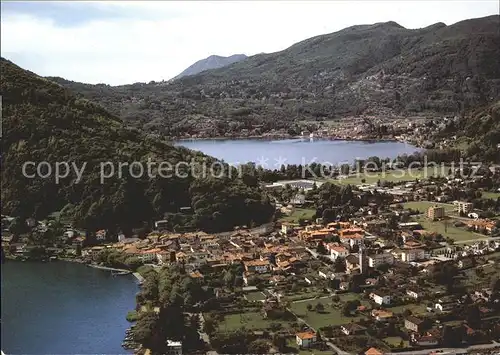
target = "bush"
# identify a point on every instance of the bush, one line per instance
(132, 316)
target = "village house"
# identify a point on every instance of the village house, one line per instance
(287, 228)
(375, 260)
(100, 235)
(409, 255)
(352, 236)
(174, 347)
(163, 257)
(305, 339)
(465, 263)
(414, 293)
(352, 263)
(381, 298)
(352, 329)
(425, 340)
(414, 324)
(381, 315)
(93, 252)
(326, 274)
(337, 251)
(481, 225)
(373, 351)
(258, 266)
(445, 304)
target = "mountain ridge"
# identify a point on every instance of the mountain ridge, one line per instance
(211, 62)
(381, 69)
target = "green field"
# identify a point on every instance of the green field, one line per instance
(490, 195)
(456, 233)
(249, 320)
(393, 175)
(396, 341)
(423, 206)
(330, 316)
(293, 348)
(298, 213)
(414, 308)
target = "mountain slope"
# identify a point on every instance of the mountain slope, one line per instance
(480, 130)
(43, 122)
(382, 69)
(212, 62)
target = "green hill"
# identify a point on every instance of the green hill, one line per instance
(43, 122)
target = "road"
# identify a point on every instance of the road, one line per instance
(484, 239)
(453, 350)
(427, 351)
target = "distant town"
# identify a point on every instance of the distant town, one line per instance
(413, 270)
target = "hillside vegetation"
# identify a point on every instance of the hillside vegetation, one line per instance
(382, 69)
(42, 121)
(481, 131)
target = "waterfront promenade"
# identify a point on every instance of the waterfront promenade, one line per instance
(123, 271)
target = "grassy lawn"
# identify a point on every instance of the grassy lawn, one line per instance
(490, 195)
(423, 206)
(304, 213)
(396, 341)
(255, 296)
(330, 316)
(249, 320)
(456, 233)
(393, 175)
(292, 347)
(415, 309)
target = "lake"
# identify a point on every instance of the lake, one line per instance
(64, 308)
(271, 154)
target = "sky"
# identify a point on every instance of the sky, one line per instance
(122, 42)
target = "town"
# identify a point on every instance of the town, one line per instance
(408, 267)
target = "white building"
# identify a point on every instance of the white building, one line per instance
(174, 347)
(380, 259)
(338, 251)
(410, 255)
(149, 256)
(380, 298)
(463, 206)
(305, 339)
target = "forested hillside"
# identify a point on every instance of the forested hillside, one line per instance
(382, 69)
(479, 131)
(42, 121)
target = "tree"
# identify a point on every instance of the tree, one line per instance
(209, 325)
(473, 316)
(339, 265)
(495, 285)
(18, 226)
(319, 307)
(321, 249)
(280, 342)
(144, 331)
(229, 279)
(259, 346)
(309, 307)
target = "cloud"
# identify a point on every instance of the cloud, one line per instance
(123, 42)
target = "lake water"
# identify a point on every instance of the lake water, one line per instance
(274, 153)
(64, 308)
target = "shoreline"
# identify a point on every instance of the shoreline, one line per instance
(280, 137)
